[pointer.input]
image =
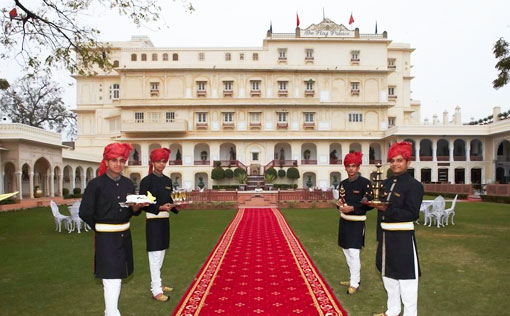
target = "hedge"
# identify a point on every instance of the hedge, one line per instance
(448, 195)
(218, 173)
(229, 174)
(496, 198)
(282, 173)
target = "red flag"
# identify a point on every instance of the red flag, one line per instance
(351, 20)
(13, 13)
(297, 20)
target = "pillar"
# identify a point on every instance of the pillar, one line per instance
(52, 185)
(17, 185)
(31, 184)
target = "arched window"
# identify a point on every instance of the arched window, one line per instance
(133, 57)
(115, 63)
(175, 57)
(144, 57)
(165, 57)
(228, 57)
(154, 57)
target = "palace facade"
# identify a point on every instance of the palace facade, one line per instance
(302, 99)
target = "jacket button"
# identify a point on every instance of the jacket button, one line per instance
(121, 235)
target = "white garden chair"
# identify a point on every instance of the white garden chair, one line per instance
(59, 218)
(437, 212)
(450, 211)
(75, 218)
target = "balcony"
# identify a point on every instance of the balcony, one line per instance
(282, 125)
(283, 93)
(153, 126)
(392, 67)
(354, 91)
(154, 93)
(255, 125)
(335, 161)
(354, 61)
(228, 125)
(459, 158)
(443, 158)
(201, 93)
(392, 97)
(476, 158)
(309, 93)
(202, 162)
(309, 125)
(175, 162)
(255, 93)
(308, 161)
(202, 126)
(425, 158)
(309, 58)
(228, 93)
(280, 163)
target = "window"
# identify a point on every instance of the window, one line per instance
(170, 117)
(227, 88)
(355, 117)
(391, 121)
(309, 85)
(282, 54)
(255, 156)
(154, 57)
(282, 119)
(355, 88)
(115, 91)
(144, 57)
(154, 89)
(309, 117)
(391, 92)
(133, 57)
(154, 117)
(309, 54)
(255, 88)
(255, 56)
(228, 118)
(175, 57)
(255, 119)
(201, 88)
(228, 56)
(201, 56)
(241, 56)
(202, 117)
(115, 63)
(391, 63)
(165, 57)
(355, 55)
(282, 85)
(139, 117)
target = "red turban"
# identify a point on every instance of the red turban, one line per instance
(401, 148)
(158, 154)
(354, 157)
(113, 151)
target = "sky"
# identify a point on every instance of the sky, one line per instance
(453, 63)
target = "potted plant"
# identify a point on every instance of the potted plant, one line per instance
(201, 183)
(293, 174)
(203, 155)
(242, 177)
(306, 154)
(269, 179)
(309, 182)
(335, 182)
(38, 192)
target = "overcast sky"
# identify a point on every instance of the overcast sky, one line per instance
(453, 63)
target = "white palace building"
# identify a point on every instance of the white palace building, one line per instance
(302, 99)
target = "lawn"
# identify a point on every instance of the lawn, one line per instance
(465, 267)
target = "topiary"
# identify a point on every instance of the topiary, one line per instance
(238, 171)
(271, 171)
(282, 173)
(229, 174)
(65, 191)
(77, 191)
(218, 173)
(293, 173)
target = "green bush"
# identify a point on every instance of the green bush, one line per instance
(8, 201)
(68, 196)
(271, 171)
(238, 171)
(65, 191)
(448, 195)
(77, 191)
(231, 187)
(229, 174)
(282, 173)
(218, 173)
(496, 198)
(293, 173)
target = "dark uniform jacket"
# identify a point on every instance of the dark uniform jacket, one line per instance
(157, 230)
(351, 234)
(113, 257)
(397, 250)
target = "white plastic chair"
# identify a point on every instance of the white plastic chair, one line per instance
(76, 221)
(450, 211)
(59, 218)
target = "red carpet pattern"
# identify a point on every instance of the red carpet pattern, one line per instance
(259, 267)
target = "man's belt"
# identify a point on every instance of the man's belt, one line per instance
(353, 218)
(159, 215)
(111, 228)
(398, 226)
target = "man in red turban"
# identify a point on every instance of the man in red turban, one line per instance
(397, 255)
(101, 209)
(351, 227)
(157, 224)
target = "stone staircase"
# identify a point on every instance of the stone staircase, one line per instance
(253, 199)
(254, 182)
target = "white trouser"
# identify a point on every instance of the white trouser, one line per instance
(353, 261)
(405, 289)
(111, 296)
(155, 263)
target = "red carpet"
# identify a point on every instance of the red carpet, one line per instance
(259, 267)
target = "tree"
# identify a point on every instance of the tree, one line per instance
(4, 84)
(49, 33)
(37, 101)
(503, 65)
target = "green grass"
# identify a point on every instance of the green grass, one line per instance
(465, 267)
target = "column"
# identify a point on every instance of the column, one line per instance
(451, 174)
(433, 174)
(434, 150)
(18, 184)
(417, 150)
(31, 184)
(2, 177)
(468, 151)
(450, 147)
(144, 148)
(60, 178)
(417, 174)
(72, 175)
(52, 185)
(365, 150)
(467, 175)
(84, 181)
